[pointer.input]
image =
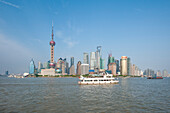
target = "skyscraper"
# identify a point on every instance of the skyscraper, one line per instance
(6, 73)
(158, 73)
(112, 68)
(32, 67)
(63, 68)
(71, 61)
(39, 66)
(98, 56)
(165, 73)
(84, 69)
(128, 66)
(92, 60)
(97, 60)
(67, 67)
(123, 65)
(133, 70)
(52, 44)
(86, 58)
(72, 68)
(110, 59)
(78, 72)
(117, 66)
(102, 63)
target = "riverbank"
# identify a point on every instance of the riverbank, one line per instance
(75, 76)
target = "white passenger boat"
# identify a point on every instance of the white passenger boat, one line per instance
(106, 79)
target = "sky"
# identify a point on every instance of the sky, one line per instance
(139, 29)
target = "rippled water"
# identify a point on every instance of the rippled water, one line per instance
(65, 95)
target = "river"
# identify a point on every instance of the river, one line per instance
(50, 95)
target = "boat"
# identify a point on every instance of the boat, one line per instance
(155, 78)
(105, 79)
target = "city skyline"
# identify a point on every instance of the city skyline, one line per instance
(138, 31)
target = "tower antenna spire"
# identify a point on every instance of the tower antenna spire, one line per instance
(52, 30)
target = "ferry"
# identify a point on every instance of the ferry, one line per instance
(105, 79)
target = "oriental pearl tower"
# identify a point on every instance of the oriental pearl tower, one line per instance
(52, 44)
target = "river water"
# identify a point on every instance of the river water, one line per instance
(50, 95)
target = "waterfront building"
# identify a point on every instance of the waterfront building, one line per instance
(32, 67)
(112, 68)
(133, 69)
(149, 73)
(67, 67)
(123, 65)
(71, 61)
(92, 60)
(117, 66)
(158, 73)
(6, 73)
(63, 68)
(78, 71)
(86, 58)
(102, 63)
(50, 72)
(110, 59)
(128, 66)
(84, 69)
(72, 70)
(97, 60)
(165, 73)
(46, 65)
(40, 66)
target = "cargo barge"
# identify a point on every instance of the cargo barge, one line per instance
(155, 78)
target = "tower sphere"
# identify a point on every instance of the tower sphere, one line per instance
(52, 65)
(52, 43)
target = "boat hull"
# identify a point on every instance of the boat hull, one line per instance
(155, 78)
(104, 82)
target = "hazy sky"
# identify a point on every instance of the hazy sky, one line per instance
(139, 29)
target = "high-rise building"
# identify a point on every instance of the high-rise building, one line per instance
(92, 60)
(98, 56)
(117, 66)
(158, 73)
(46, 65)
(52, 44)
(72, 70)
(78, 72)
(97, 60)
(32, 67)
(86, 58)
(67, 67)
(165, 73)
(112, 68)
(71, 61)
(123, 65)
(110, 59)
(128, 66)
(149, 72)
(6, 73)
(84, 69)
(133, 69)
(102, 63)
(40, 66)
